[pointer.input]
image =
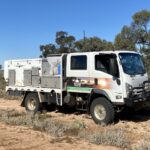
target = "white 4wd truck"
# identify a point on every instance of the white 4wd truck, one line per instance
(100, 83)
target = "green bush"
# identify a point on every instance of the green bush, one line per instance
(2, 85)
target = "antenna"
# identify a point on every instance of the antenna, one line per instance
(84, 35)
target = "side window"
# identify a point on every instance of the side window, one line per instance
(107, 63)
(79, 62)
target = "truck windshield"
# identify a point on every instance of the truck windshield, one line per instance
(132, 63)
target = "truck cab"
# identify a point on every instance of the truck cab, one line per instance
(120, 74)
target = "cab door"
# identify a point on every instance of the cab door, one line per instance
(106, 73)
(78, 73)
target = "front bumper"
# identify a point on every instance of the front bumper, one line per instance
(138, 95)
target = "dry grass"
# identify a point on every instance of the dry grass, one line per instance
(79, 124)
(51, 126)
(38, 121)
(113, 137)
(3, 93)
(144, 144)
(43, 122)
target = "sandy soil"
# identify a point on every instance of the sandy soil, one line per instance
(19, 138)
(24, 138)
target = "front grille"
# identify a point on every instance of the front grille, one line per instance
(137, 91)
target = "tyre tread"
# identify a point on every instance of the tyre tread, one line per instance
(109, 110)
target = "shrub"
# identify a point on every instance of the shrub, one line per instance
(38, 121)
(2, 86)
(144, 144)
(43, 122)
(51, 126)
(79, 124)
(113, 137)
(3, 93)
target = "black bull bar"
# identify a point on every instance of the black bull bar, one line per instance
(139, 94)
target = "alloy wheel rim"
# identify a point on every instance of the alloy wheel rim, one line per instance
(100, 112)
(32, 104)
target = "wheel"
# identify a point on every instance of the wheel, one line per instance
(102, 111)
(32, 103)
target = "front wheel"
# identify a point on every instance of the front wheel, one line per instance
(32, 103)
(102, 111)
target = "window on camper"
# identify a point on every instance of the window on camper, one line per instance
(107, 63)
(79, 62)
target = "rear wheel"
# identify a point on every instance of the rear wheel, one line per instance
(32, 103)
(102, 111)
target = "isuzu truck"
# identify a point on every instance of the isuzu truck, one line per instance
(101, 83)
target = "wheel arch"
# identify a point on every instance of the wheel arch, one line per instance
(95, 93)
(39, 94)
(24, 97)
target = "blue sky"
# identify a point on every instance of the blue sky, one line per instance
(26, 24)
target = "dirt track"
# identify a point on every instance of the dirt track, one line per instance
(24, 138)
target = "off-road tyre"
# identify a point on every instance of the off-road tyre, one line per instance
(102, 111)
(32, 103)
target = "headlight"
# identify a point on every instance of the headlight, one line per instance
(147, 87)
(128, 88)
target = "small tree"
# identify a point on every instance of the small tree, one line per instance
(64, 44)
(48, 49)
(141, 30)
(124, 40)
(93, 44)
